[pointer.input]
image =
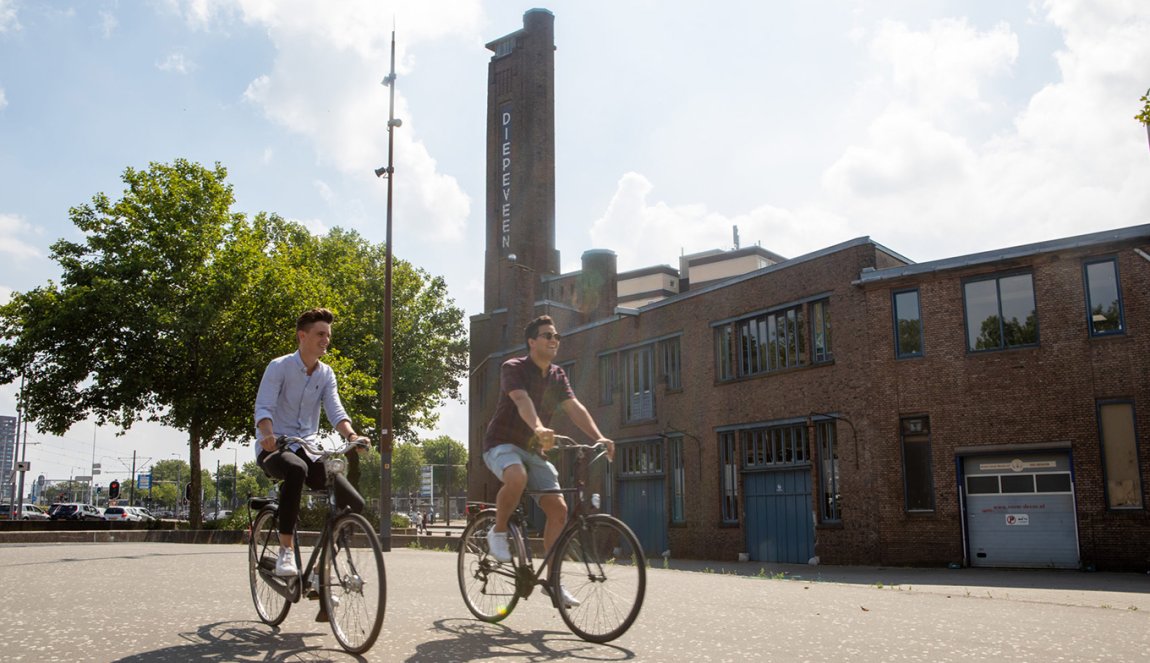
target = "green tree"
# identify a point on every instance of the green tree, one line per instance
(172, 305)
(406, 461)
(449, 460)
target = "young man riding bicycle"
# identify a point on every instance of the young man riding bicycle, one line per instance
(531, 388)
(292, 390)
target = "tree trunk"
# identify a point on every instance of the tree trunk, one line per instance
(194, 508)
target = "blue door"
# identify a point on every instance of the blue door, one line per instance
(642, 505)
(779, 517)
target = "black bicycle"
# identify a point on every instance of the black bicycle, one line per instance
(345, 570)
(596, 558)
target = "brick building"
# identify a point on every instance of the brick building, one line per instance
(848, 404)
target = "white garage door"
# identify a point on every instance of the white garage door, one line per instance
(1020, 510)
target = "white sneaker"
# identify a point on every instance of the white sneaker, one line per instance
(497, 545)
(285, 564)
(569, 600)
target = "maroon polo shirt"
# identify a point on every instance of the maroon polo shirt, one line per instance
(547, 392)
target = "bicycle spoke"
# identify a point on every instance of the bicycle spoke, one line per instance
(353, 583)
(602, 566)
(488, 587)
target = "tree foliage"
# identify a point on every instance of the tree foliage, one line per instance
(170, 305)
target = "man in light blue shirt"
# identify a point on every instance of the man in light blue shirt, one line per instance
(291, 393)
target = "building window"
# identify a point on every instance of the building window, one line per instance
(729, 466)
(907, 325)
(671, 363)
(831, 502)
(772, 447)
(678, 478)
(608, 379)
(642, 458)
(640, 377)
(762, 344)
(821, 331)
(1120, 455)
(916, 465)
(1000, 313)
(1103, 299)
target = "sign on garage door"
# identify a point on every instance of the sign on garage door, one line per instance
(1020, 510)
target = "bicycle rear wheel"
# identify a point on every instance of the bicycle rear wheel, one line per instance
(601, 564)
(487, 585)
(263, 548)
(353, 584)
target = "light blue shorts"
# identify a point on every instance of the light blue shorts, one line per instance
(541, 474)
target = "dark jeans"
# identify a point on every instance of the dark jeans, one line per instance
(294, 468)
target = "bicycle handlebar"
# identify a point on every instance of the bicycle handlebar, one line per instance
(568, 443)
(284, 440)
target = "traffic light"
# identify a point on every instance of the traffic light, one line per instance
(188, 492)
(114, 490)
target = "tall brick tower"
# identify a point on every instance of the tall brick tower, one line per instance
(520, 237)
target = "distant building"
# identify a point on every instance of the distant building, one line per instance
(848, 404)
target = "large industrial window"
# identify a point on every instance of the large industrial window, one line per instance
(607, 379)
(916, 464)
(1120, 455)
(831, 502)
(764, 343)
(778, 445)
(729, 467)
(1000, 313)
(640, 377)
(907, 325)
(678, 477)
(671, 363)
(821, 331)
(1103, 299)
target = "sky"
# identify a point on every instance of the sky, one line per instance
(937, 128)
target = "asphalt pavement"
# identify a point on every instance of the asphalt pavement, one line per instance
(141, 601)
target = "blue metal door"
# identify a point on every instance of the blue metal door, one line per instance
(642, 505)
(779, 518)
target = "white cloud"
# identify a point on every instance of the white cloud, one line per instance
(108, 24)
(344, 116)
(10, 245)
(9, 22)
(5, 294)
(3, 99)
(175, 62)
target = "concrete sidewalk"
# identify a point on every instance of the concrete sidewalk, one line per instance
(1125, 591)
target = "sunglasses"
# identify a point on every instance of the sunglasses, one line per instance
(550, 335)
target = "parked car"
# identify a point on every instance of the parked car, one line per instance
(77, 511)
(144, 514)
(32, 512)
(121, 514)
(222, 514)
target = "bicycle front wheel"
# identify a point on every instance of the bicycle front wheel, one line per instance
(353, 585)
(601, 565)
(488, 586)
(263, 548)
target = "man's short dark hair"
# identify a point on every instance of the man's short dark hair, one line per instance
(312, 316)
(532, 328)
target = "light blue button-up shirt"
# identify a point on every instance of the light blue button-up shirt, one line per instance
(291, 399)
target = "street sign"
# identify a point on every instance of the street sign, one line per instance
(96, 471)
(23, 466)
(82, 478)
(95, 466)
(143, 481)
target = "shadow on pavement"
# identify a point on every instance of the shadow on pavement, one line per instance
(474, 641)
(242, 641)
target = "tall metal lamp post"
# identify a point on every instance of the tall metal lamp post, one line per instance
(386, 434)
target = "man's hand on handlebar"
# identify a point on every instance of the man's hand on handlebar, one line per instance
(362, 444)
(545, 438)
(610, 444)
(268, 443)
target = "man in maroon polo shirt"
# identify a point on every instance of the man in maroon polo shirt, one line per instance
(531, 388)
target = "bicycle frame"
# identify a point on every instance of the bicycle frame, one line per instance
(527, 575)
(291, 587)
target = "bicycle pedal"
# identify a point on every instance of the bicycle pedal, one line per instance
(312, 595)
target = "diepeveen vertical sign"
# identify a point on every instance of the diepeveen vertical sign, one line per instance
(505, 178)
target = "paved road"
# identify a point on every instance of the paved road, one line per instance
(180, 602)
